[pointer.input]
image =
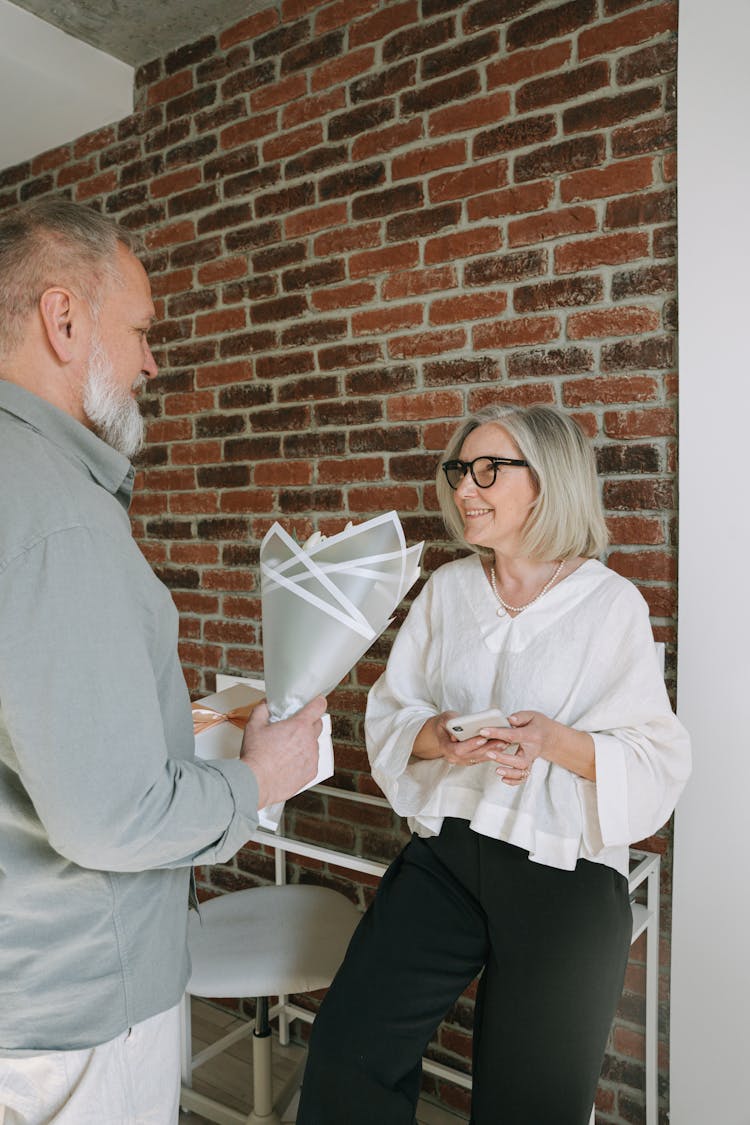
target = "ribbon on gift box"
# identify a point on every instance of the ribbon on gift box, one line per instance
(206, 717)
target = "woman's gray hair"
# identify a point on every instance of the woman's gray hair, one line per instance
(566, 519)
(49, 242)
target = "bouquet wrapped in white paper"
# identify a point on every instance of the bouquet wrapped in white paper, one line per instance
(324, 603)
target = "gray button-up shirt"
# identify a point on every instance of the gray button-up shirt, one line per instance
(103, 806)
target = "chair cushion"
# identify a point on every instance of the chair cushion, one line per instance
(269, 941)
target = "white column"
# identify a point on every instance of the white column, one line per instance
(711, 920)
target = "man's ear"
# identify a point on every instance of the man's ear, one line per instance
(60, 319)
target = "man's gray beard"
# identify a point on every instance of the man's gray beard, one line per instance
(113, 412)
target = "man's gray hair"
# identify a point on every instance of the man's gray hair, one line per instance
(50, 242)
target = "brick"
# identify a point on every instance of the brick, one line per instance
(417, 40)
(280, 39)
(219, 375)
(511, 69)
(606, 250)
(344, 296)
(488, 13)
(279, 93)
(463, 244)
(360, 120)
(635, 530)
(190, 103)
(418, 162)
(225, 217)
(426, 343)
(643, 282)
(190, 152)
(226, 320)
(347, 355)
(624, 177)
(506, 267)
(279, 366)
(552, 224)
(381, 23)
(249, 28)
(340, 413)
(380, 380)
(559, 88)
(655, 352)
(308, 109)
(190, 54)
(289, 143)
(516, 333)
(412, 283)
(623, 321)
(449, 372)
(222, 270)
(387, 319)
(567, 156)
(613, 389)
(469, 114)
(398, 257)
(314, 160)
(195, 200)
(531, 197)
(314, 389)
(168, 88)
(351, 470)
(440, 404)
(553, 23)
(319, 218)
(74, 172)
(470, 181)
(343, 69)
(558, 294)
(647, 63)
(385, 140)
(319, 332)
(471, 306)
(604, 112)
(287, 199)
(446, 90)
(515, 135)
(342, 13)
(319, 273)
(655, 422)
(376, 204)
(240, 343)
(308, 54)
(375, 439)
(463, 54)
(636, 27)
(426, 221)
(645, 136)
(249, 237)
(380, 83)
(544, 363)
(276, 473)
(641, 210)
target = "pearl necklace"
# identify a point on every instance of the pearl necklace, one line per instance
(504, 606)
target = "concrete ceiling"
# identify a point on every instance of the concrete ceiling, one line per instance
(136, 31)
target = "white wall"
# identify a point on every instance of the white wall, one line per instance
(53, 88)
(710, 1042)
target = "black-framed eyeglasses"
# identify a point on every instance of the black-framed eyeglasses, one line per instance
(483, 470)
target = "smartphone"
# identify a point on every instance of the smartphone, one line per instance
(468, 726)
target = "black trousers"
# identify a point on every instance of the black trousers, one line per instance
(553, 946)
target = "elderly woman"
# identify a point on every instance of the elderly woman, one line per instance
(518, 864)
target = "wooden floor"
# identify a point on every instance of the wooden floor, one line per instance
(228, 1077)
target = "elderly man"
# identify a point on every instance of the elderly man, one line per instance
(103, 806)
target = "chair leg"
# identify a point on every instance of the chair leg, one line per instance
(186, 1042)
(263, 1108)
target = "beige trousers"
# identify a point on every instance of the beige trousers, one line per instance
(131, 1080)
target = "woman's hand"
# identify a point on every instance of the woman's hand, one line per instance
(435, 741)
(538, 736)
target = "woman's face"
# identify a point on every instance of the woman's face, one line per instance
(494, 517)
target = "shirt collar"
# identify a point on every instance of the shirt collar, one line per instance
(109, 468)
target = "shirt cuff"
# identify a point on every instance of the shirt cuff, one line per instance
(243, 786)
(611, 790)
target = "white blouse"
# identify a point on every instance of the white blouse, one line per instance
(583, 654)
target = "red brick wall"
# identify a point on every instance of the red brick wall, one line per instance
(364, 219)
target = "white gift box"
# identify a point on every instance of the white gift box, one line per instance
(224, 739)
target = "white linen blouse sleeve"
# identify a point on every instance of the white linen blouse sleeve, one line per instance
(642, 750)
(398, 706)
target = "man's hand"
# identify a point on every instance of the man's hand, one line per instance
(283, 755)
